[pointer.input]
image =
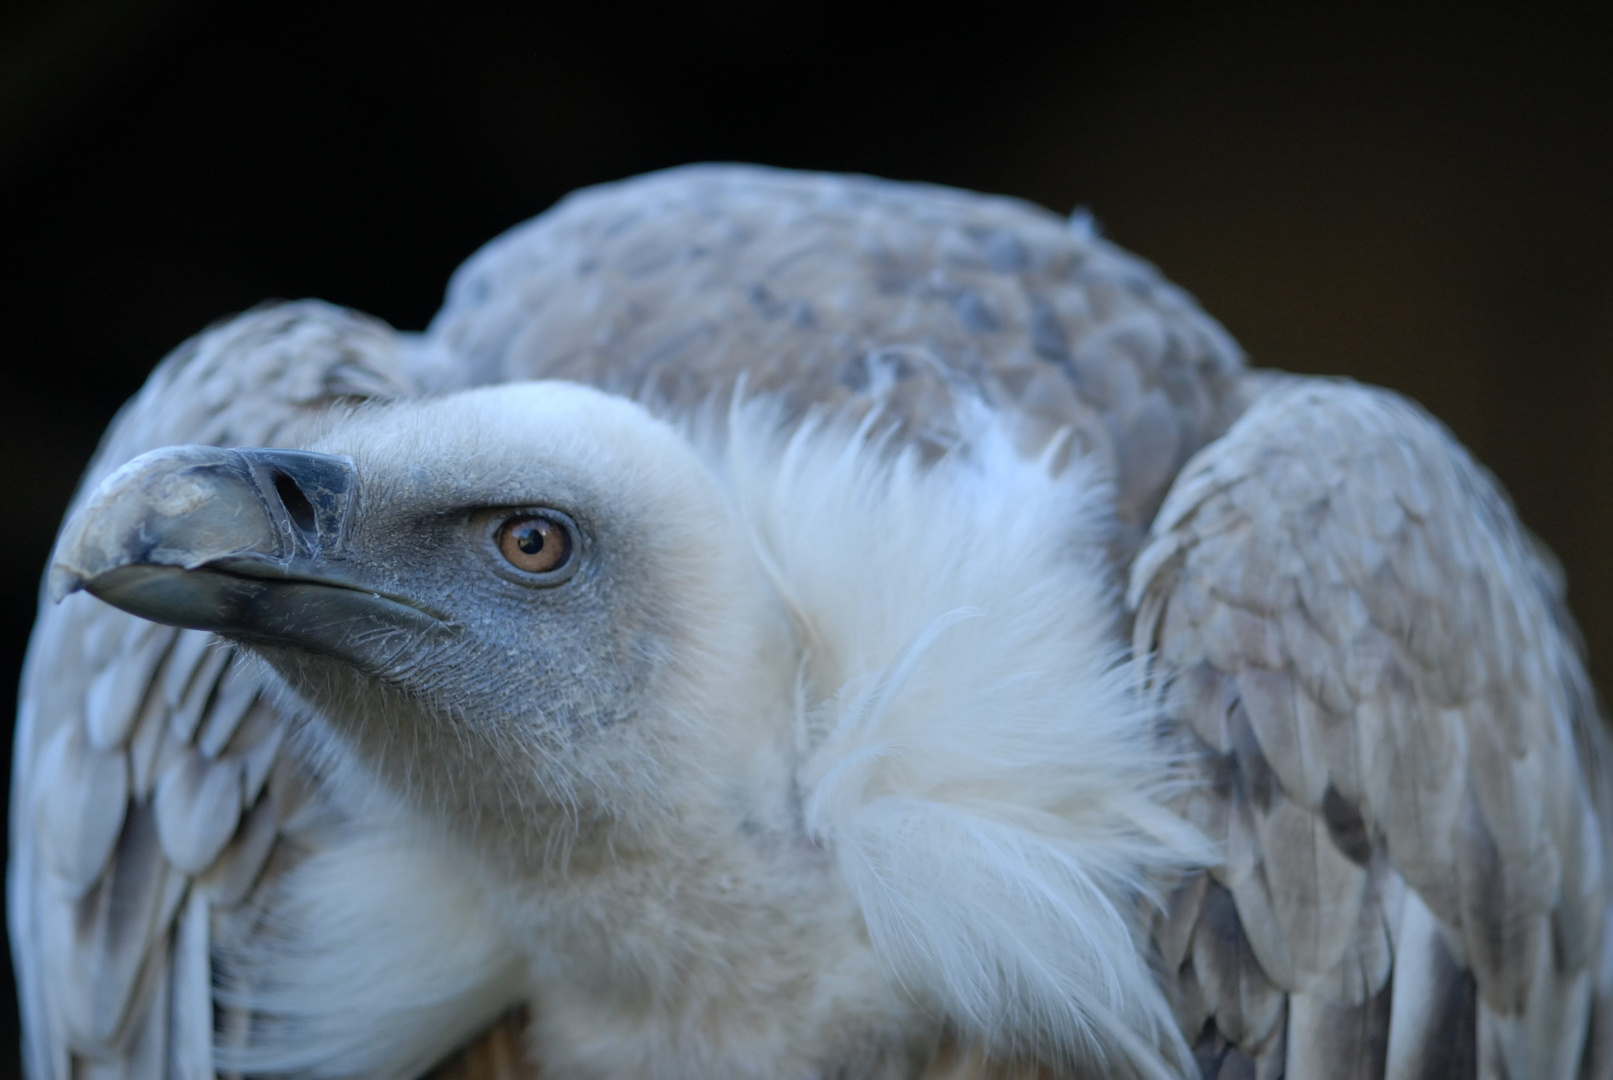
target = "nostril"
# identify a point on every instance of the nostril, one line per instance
(300, 510)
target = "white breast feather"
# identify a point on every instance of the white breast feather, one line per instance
(973, 754)
(373, 958)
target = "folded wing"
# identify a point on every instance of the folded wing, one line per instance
(150, 786)
(1400, 755)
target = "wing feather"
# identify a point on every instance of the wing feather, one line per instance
(190, 1049)
(1400, 754)
(84, 809)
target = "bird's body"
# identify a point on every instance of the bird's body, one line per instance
(767, 712)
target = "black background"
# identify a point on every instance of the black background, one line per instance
(1417, 200)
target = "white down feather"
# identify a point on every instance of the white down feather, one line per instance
(972, 750)
(374, 957)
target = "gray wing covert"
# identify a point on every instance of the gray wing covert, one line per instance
(851, 291)
(1400, 754)
(148, 786)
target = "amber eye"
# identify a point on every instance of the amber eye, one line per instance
(534, 543)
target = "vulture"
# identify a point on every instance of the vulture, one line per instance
(779, 625)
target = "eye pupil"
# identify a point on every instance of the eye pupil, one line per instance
(534, 543)
(529, 540)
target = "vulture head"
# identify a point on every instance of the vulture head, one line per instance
(511, 602)
(735, 726)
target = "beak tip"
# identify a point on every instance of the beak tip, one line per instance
(62, 582)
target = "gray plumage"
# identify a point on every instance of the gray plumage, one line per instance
(1388, 731)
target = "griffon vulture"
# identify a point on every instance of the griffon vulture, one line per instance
(777, 625)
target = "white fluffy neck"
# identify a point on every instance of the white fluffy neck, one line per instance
(972, 754)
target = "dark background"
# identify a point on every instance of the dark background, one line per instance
(1415, 200)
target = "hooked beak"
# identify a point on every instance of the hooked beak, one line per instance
(248, 543)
